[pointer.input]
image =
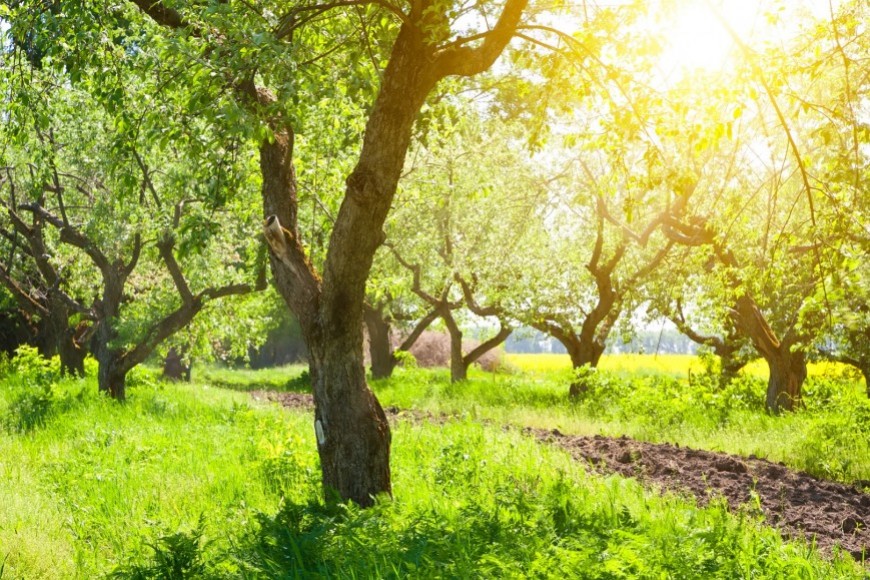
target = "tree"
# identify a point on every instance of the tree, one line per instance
(457, 214)
(352, 432)
(101, 221)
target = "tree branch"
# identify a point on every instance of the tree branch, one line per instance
(165, 247)
(485, 347)
(464, 61)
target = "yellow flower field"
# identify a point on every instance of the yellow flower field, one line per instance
(672, 364)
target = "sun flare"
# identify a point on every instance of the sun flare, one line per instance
(699, 38)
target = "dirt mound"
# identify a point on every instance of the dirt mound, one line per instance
(795, 502)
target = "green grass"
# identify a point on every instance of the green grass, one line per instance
(195, 481)
(829, 438)
(287, 378)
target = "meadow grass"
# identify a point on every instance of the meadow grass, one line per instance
(828, 438)
(285, 378)
(195, 481)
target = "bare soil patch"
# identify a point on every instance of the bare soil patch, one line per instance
(797, 503)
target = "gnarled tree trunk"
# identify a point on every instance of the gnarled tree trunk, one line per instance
(458, 368)
(788, 371)
(788, 368)
(72, 355)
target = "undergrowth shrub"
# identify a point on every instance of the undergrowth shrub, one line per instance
(660, 400)
(177, 556)
(30, 395)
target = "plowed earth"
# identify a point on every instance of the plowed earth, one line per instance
(799, 504)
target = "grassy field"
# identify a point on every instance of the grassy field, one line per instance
(829, 438)
(197, 481)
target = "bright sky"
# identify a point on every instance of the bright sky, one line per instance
(697, 35)
(700, 39)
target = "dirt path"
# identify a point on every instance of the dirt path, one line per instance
(795, 502)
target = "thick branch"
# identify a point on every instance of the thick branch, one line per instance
(487, 346)
(472, 303)
(162, 14)
(72, 236)
(416, 271)
(287, 249)
(24, 299)
(751, 322)
(421, 326)
(679, 320)
(165, 247)
(464, 61)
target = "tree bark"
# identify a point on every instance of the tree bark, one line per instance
(353, 435)
(174, 368)
(788, 371)
(72, 355)
(458, 367)
(380, 346)
(111, 374)
(583, 353)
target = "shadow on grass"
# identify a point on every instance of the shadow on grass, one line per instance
(292, 379)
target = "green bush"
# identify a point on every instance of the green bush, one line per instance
(30, 391)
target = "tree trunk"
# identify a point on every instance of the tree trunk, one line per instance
(583, 353)
(352, 431)
(111, 375)
(458, 366)
(788, 370)
(49, 334)
(174, 368)
(865, 370)
(72, 355)
(380, 348)
(353, 435)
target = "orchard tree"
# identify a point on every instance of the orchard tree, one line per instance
(268, 56)
(34, 282)
(457, 213)
(113, 225)
(694, 305)
(848, 340)
(776, 229)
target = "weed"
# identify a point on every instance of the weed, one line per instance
(177, 556)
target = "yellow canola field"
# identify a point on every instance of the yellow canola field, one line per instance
(672, 364)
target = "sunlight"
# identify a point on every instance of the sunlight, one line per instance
(698, 39)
